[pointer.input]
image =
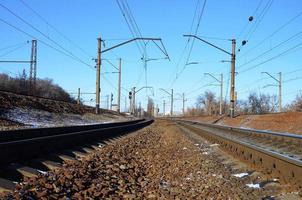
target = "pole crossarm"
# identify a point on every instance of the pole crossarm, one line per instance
(270, 85)
(15, 61)
(143, 88)
(213, 45)
(271, 76)
(165, 91)
(219, 81)
(163, 49)
(110, 63)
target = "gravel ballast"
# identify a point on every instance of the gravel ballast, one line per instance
(158, 162)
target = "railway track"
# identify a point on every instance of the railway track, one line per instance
(278, 154)
(21, 146)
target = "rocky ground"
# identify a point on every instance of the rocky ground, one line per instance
(158, 162)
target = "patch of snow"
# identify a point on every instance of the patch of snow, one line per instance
(252, 185)
(275, 179)
(184, 148)
(205, 153)
(241, 175)
(214, 145)
(42, 172)
(196, 144)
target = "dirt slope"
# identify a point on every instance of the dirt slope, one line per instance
(280, 122)
(21, 110)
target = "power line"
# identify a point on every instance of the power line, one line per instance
(13, 50)
(192, 43)
(55, 29)
(247, 23)
(46, 44)
(14, 45)
(259, 20)
(273, 58)
(276, 46)
(131, 29)
(273, 33)
(36, 29)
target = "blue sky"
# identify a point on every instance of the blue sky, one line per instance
(83, 21)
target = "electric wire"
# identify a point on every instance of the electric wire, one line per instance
(45, 43)
(13, 50)
(248, 22)
(274, 47)
(286, 52)
(272, 34)
(12, 46)
(55, 29)
(47, 37)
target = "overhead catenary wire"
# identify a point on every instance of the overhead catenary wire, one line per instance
(271, 49)
(130, 27)
(13, 50)
(248, 22)
(45, 43)
(290, 50)
(12, 46)
(259, 19)
(43, 34)
(55, 29)
(178, 74)
(272, 34)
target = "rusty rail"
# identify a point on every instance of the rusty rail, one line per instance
(278, 154)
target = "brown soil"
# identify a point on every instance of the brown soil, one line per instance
(281, 122)
(17, 110)
(8, 124)
(10, 100)
(158, 162)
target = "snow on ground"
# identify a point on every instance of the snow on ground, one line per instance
(39, 118)
(241, 175)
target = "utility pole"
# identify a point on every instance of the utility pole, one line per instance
(279, 81)
(171, 94)
(125, 104)
(111, 100)
(171, 102)
(98, 75)
(133, 94)
(183, 104)
(164, 108)
(119, 86)
(33, 67)
(280, 91)
(133, 101)
(233, 60)
(140, 110)
(154, 40)
(79, 95)
(221, 89)
(232, 109)
(107, 101)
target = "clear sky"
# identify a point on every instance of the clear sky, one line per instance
(278, 36)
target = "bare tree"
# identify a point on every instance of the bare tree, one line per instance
(208, 102)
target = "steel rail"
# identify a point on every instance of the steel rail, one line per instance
(19, 134)
(279, 164)
(29, 148)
